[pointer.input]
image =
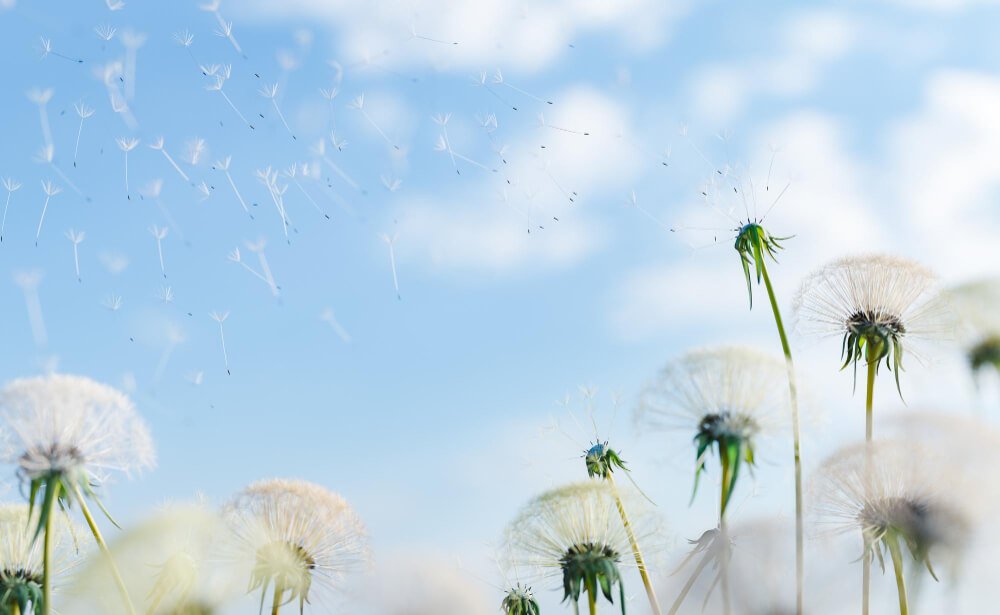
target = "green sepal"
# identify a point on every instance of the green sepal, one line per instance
(753, 242)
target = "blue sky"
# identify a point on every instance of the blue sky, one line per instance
(434, 416)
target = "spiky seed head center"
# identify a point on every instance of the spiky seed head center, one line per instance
(726, 426)
(286, 565)
(875, 325)
(45, 460)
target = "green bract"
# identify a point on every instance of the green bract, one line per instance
(587, 567)
(752, 242)
(21, 588)
(520, 601)
(732, 436)
(876, 337)
(985, 354)
(602, 460)
(917, 524)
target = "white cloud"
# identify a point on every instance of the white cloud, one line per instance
(485, 228)
(523, 34)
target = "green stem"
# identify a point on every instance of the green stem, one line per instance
(723, 500)
(897, 564)
(866, 567)
(104, 548)
(796, 441)
(54, 487)
(690, 582)
(276, 602)
(15, 608)
(639, 561)
(592, 601)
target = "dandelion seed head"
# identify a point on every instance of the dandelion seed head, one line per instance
(880, 305)
(21, 557)
(105, 32)
(299, 536)
(977, 308)
(73, 427)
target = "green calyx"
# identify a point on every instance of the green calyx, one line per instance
(602, 460)
(520, 601)
(732, 436)
(21, 588)
(919, 525)
(877, 338)
(753, 242)
(591, 567)
(985, 354)
(286, 566)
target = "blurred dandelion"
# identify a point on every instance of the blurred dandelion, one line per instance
(67, 435)
(330, 318)
(444, 145)
(22, 568)
(42, 98)
(319, 150)
(574, 532)
(481, 82)
(220, 82)
(159, 146)
(46, 45)
(270, 92)
(223, 165)
(11, 185)
(391, 242)
(359, 104)
(76, 238)
(302, 539)
(220, 317)
(194, 149)
(112, 303)
(114, 5)
(269, 178)
(159, 233)
(29, 281)
(499, 80)
(50, 191)
(329, 94)
(977, 307)
(132, 41)
(47, 156)
(84, 112)
(105, 32)
(225, 28)
(127, 144)
(292, 173)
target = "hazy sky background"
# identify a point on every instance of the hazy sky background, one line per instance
(438, 413)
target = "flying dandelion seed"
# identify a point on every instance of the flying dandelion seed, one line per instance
(132, 41)
(390, 242)
(292, 173)
(159, 233)
(225, 28)
(127, 144)
(165, 294)
(268, 177)
(574, 533)
(114, 5)
(359, 104)
(29, 281)
(159, 146)
(47, 156)
(152, 192)
(570, 196)
(633, 202)
(257, 247)
(444, 143)
(328, 317)
(329, 94)
(185, 39)
(340, 144)
(50, 191)
(391, 184)
(112, 303)
(320, 151)
(84, 112)
(105, 32)
(304, 540)
(76, 239)
(67, 435)
(22, 567)
(11, 185)
(220, 81)
(544, 124)
(47, 51)
(414, 35)
(204, 190)
(271, 93)
(221, 318)
(481, 82)
(499, 80)
(42, 98)
(223, 165)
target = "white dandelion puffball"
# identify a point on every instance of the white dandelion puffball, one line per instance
(298, 537)
(742, 389)
(72, 426)
(171, 562)
(977, 308)
(872, 296)
(21, 556)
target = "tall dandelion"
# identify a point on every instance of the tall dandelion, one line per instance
(977, 307)
(21, 559)
(902, 499)
(300, 537)
(727, 397)
(574, 533)
(67, 435)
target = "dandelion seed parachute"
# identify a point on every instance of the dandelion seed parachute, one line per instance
(299, 538)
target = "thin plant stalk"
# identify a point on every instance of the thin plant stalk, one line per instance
(723, 499)
(690, 582)
(639, 561)
(51, 494)
(592, 600)
(897, 565)
(15, 609)
(119, 582)
(866, 569)
(793, 397)
(276, 602)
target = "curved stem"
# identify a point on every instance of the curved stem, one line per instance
(639, 561)
(793, 397)
(690, 582)
(897, 565)
(51, 488)
(119, 582)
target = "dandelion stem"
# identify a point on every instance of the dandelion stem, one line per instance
(639, 561)
(592, 600)
(104, 548)
(690, 582)
(276, 602)
(53, 488)
(796, 441)
(866, 569)
(723, 501)
(897, 565)
(15, 609)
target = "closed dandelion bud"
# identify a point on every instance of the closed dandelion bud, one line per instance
(519, 601)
